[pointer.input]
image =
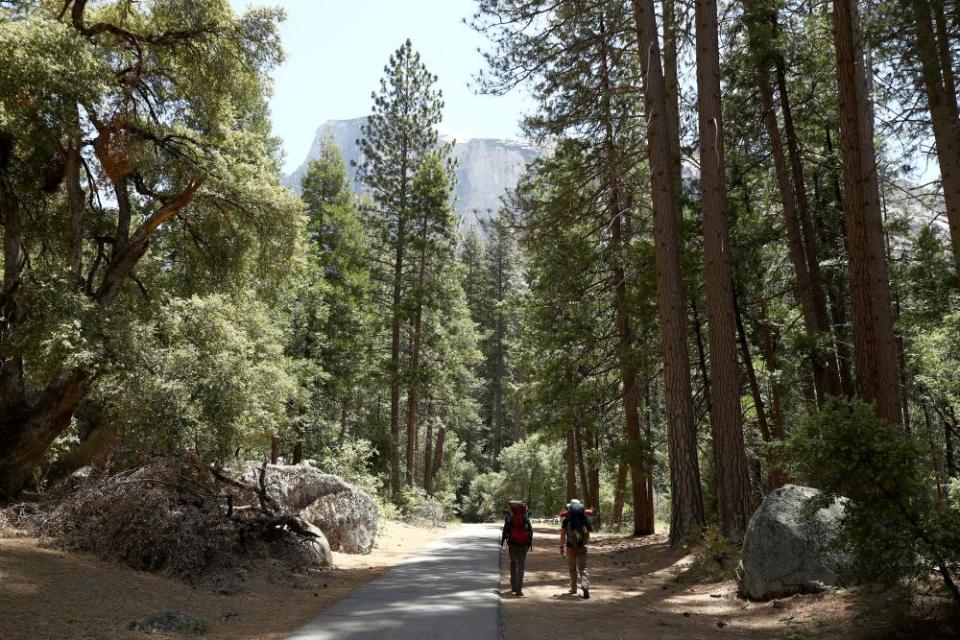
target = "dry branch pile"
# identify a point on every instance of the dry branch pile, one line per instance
(181, 516)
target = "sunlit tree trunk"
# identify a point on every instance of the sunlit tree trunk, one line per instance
(686, 493)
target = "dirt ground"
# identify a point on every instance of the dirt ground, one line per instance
(49, 594)
(635, 593)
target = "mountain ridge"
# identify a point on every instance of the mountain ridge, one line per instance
(487, 168)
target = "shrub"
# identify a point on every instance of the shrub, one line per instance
(530, 470)
(894, 526)
(714, 558)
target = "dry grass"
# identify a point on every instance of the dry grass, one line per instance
(635, 594)
(47, 593)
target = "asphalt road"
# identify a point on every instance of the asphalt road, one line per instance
(449, 590)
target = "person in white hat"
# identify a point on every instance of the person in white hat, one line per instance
(574, 535)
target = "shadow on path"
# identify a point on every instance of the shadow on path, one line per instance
(448, 590)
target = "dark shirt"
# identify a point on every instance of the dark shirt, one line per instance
(508, 524)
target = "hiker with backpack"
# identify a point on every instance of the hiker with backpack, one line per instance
(518, 536)
(574, 534)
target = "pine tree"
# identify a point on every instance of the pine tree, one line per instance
(338, 245)
(397, 138)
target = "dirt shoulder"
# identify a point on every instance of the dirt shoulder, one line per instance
(46, 593)
(635, 593)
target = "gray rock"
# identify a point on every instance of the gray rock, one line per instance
(783, 549)
(348, 518)
(346, 515)
(169, 622)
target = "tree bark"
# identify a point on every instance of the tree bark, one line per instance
(297, 457)
(27, 430)
(686, 494)
(733, 480)
(874, 349)
(437, 456)
(413, 391)
(938, 81)
(428, 459)
(619, 489)
(773, 367)
(395, 361)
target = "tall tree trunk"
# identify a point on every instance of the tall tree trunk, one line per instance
(938, 81)
(686, 493)
(298, 447)
(642, 501)
(951, 455)
(874, 349)
(344, 411)
(395, 365)
(571, 466)
(588, 499)
(593, 471)
(517, 412)
(413, 391)
(498, 394)
(701, 356)
(773, 368)
(733, 480)
(274, 449)
(619, 489)
(437, 456)
(774, 474)
(428, 459)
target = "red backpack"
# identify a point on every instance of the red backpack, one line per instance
(519, 521)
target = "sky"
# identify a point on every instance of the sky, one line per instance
(336, 51)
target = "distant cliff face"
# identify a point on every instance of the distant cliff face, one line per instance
(487, 168)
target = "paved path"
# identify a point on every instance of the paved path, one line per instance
(449, 590)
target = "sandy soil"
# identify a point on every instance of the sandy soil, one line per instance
(635, 593)
(49, 594)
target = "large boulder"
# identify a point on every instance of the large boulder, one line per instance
(784, 547)
(345, 514)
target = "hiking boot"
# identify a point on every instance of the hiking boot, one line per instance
(573, 591)
(586, 593)
(520, 593)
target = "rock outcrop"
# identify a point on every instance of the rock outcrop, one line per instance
(346, 515)
(784, 547)
(487, 168)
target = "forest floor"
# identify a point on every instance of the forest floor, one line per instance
(636, 592)
(46, 593)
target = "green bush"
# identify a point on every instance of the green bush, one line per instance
(531, 470)
(352, 462)
(714, 558)
(894, 527)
